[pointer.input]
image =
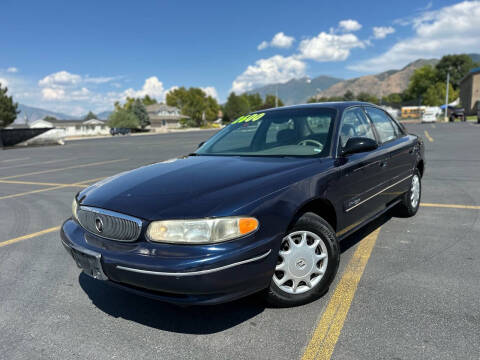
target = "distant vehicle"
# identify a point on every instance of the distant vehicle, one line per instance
(430, 115)
(262, 205)
(413, 112)
(456, 113)
(119, 131)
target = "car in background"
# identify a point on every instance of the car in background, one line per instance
(454, 113)
(259, 207)
(119, 131)
(430, 114)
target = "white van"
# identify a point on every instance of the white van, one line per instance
(430, 115)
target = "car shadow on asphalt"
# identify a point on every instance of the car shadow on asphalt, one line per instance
(168, 317)
(366, 230)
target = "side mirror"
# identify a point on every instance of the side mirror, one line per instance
(200, 145)
(358, 145)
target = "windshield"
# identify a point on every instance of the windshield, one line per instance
(292, 132)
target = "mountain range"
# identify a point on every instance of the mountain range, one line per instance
(31, 114)
(387, 82)
(297, 91)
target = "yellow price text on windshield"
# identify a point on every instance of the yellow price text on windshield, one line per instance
(248, 118)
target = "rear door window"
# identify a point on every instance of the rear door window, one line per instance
(382, 122)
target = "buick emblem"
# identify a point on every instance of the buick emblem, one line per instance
(301, 263)
(99, 224)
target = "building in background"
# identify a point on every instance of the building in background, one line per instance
(74, 127)
(164, 117)
(470, 91)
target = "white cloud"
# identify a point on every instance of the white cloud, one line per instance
(267, 71)
(100, 80)
(329, 46)
(210, 91)
(60, 79)
(262, 45)
(381, 32)
(349, 25)
(452, 29)
(152, 87)
(280, 40)
(12, 69)
(53, 93)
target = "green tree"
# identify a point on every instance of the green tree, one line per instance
(234, 107)
(50, 118)
(90, 116)
(435, 94)
(394, 100)
(421, 80)
(348, 96)
(194, 103)
(8, 108)
(270, 102)
(312, 99)
(122, 118)
(255, 101)
(138, 109)
(457, 65)
(147, 100)
(366, 97)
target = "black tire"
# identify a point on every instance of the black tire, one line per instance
(406, 208)
(312, 223)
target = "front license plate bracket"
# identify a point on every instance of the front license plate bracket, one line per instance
(90, 262)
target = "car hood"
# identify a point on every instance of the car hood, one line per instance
(193, 187)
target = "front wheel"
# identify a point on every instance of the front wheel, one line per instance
(307, 262)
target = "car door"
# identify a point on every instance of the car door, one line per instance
(401, 153)
(361, 175)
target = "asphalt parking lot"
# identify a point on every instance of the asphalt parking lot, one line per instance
(406, 288)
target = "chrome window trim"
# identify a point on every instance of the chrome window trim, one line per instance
(378, 193)
(135, 220)
(194, 273)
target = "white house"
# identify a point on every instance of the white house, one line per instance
(164, 117)
(74, 127)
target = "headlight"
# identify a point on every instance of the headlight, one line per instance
(202, 231)
(74, 208)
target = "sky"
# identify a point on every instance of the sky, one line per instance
(76, 56)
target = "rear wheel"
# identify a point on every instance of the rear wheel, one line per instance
(411, 199)
(307, 262)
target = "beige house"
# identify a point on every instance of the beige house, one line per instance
(164, 117)
(470, 91)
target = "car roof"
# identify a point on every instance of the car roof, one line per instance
(338, 105)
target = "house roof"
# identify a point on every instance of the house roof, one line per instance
(62, 123)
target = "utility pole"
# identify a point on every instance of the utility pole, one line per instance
(446, 97)
(276, 95)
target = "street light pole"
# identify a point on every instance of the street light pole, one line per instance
(446, 97)
(276, 95)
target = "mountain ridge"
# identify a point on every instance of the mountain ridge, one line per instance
(297, 91)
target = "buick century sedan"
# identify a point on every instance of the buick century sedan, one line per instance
(259, 207)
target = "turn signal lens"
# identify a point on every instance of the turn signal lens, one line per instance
(201, 231)
(247, 225)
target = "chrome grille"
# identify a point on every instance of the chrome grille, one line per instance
(109, 224)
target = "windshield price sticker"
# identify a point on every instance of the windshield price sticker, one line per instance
(248, 118)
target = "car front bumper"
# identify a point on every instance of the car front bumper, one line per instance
(182, 274)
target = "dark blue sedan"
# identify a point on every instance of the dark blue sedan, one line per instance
(261, 205)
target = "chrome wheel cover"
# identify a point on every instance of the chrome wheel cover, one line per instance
(302, 262)
(415, 191)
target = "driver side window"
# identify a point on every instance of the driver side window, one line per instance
(355, 124)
